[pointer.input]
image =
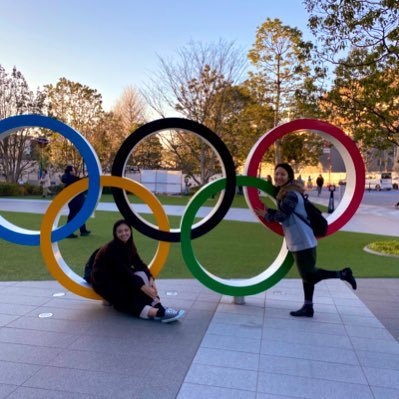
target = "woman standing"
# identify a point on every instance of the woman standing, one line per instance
(76, 203)
(124, 280)
(299, 236)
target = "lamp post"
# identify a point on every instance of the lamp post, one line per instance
(331, 206)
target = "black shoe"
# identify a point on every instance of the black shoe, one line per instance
(304, 311)
(347, 275)
(72, 236)
(85, 233)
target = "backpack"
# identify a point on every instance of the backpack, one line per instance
(89, 266)
(316, 220)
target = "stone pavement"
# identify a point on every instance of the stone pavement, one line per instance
(55, 345)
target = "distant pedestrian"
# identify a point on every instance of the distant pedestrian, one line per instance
(76, 203)
(300, 181)
(45, 182)
(310, 184)
(269, 179)
(319, 183)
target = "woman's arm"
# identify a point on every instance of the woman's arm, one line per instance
(138, 263)
(285, 209)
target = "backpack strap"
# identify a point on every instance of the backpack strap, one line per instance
(305, 198)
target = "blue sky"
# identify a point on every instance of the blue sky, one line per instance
(109, 45)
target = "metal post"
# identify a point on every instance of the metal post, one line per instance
(331, 206)
(239, 300)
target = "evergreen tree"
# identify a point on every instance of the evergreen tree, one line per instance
(283, 78)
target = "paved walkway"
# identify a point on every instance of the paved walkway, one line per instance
(56, 345)
(369, 218)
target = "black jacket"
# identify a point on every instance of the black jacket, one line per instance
(113, 276)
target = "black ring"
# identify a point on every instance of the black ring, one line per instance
(126, 149)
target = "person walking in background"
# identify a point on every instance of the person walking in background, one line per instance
(76, 203)
(319, 183)
(300, 181)
(45, 182)
(124, 280)
(310, 184)
(269, 179)
(299, 236)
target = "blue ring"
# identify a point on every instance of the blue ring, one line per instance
(21, 236)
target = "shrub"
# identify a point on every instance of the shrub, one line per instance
(15, 189)
(31, 189)
(385, 247)
(10, 189)
(55, 189)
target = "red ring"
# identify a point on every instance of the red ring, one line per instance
(356, 176)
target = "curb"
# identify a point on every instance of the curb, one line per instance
(370, 251)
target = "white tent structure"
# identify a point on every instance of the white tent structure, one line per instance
(160, 181)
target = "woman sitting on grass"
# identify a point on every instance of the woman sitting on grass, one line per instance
(123, 279)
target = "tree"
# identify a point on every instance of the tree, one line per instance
(16, 98)
(130, 110)
(365, 95)
(148, 154)
(80, 107)
(194, 86)
(366, 100)
(359, 24)
(245, 120)
(283, 70)
(106, 138)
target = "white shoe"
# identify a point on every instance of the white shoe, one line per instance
(171, 315)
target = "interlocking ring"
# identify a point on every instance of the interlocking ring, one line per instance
(351, 156)
(51, 254)
(254, 285)
(226, 161)
(50, 234)
(18, 235)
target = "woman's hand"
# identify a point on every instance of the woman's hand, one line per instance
(153, 285)
(261, 212)
(151, 292)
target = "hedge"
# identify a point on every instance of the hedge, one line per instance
(15, 189)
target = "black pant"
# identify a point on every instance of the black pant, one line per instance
(311, 275)
(74, 207)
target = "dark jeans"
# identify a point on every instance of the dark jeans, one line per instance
(74, 207)
(311, 275)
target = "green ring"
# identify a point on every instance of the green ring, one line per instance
(251, 286)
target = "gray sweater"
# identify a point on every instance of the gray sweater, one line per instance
(298, 234)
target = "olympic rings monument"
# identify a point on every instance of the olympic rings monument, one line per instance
(50, 234)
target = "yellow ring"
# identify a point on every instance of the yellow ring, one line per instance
(51, 253)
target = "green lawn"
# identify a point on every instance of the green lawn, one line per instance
(231, 250)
